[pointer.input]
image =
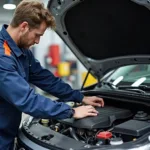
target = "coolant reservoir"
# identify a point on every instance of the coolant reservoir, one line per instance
(116, 141)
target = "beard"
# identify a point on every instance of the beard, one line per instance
(24, 42)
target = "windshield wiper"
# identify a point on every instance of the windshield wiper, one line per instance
(140, 89)
(109, 84)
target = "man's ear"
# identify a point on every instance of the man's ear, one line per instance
(24, 26)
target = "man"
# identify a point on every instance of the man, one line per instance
(18, 68)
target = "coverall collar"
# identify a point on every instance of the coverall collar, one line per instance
(16, 50)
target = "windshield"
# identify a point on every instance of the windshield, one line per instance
(132, 75)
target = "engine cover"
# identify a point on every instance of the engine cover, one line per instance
(107, 115)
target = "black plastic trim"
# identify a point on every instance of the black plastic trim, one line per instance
(38, 141)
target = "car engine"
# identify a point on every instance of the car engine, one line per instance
(107, 116)
(113, 126)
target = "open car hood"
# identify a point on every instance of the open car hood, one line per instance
(104, 35)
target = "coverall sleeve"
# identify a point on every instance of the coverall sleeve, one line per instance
(45, 80)
(15, 90)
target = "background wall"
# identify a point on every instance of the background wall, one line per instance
(50, 37)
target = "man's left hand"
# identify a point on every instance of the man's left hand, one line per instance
(93, 100)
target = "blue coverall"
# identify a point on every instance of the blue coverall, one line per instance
(18, 68)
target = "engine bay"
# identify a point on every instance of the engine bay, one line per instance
(113, 126)
(106, 117)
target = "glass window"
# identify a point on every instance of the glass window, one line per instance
(133, 75)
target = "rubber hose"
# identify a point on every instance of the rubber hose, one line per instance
(73, 134)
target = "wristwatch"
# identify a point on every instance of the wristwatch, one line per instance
(72, 113)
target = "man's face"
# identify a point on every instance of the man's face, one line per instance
(30, 37)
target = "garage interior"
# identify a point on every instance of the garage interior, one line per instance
(112, 64)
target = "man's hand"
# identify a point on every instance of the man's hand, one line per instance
(93, 100)
(84, 111)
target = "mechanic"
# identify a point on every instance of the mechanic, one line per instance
(18, 68)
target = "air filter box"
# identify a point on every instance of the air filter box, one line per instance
(133, 127)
